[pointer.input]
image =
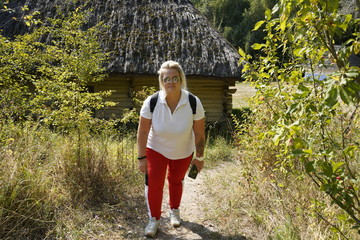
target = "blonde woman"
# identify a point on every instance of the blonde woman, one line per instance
(169, 132)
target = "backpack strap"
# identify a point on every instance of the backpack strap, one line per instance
(155, 96)
(192, 101)
(153, 101)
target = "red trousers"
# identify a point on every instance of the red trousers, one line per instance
(155, 180)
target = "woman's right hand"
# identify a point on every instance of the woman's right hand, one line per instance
(143, 165)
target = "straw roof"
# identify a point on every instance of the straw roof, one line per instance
(144, 33)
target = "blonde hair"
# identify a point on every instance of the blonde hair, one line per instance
(174, 65)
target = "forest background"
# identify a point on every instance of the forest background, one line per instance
(288, 170)
(235, 19)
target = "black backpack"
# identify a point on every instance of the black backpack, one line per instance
(155, 96)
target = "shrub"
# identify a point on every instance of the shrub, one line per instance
(48, 80)
(303, 126)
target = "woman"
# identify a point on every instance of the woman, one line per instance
(167, 137)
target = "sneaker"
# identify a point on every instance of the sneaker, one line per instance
(175, 219)
(152, 227)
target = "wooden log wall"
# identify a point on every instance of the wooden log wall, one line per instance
(211, 94)
(120, 85)
(215, 94)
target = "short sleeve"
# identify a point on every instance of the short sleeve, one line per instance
(200, 113)
(145, 109)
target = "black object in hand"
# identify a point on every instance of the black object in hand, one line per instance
(193, 171)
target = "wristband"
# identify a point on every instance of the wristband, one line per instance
(199, 158)
(143, 157)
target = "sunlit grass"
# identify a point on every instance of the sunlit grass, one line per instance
(60, 186)
(247, 203)
(242, 95)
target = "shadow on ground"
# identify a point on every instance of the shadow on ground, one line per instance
(192, 231)
(206, 233)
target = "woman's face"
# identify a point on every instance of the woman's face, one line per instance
(171, 80)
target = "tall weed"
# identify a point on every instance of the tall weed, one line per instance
(47, 180)
(27, 205)
(254, 203)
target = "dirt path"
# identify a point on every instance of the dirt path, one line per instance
(195, 225)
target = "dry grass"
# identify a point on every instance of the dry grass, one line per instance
(251, 204)
(249, 199)
(47, 193)
(59, 187)
(242, 95)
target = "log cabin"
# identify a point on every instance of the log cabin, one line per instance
(141, 35)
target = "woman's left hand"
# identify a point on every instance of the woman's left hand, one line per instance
(199, 164)
(143, 163)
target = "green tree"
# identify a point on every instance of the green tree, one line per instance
(235, 19)
(226, 16)
(45, 73)
(251, 16)
(310, 124)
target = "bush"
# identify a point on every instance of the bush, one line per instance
(303, 127)
(48, 80)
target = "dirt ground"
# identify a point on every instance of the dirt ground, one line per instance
(195, 224)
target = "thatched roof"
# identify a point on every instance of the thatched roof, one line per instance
(145, 33)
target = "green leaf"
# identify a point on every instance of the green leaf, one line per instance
(268, 12)
(276, 139)
(257, 46)
(292, 108)
(283, 25)
(298, 52)
(258, 25)
(297, 151)
(274, 10)
(242, 52)
(344, 96)
(303, 88)
(350, 150)
(331, 97)
(308, 151)
(327, 169)
(264, 75)
(332, 5)
(309, 167)
(311, 107)
(352, 74)
(352, 86)
(337, 165)
(342, 217)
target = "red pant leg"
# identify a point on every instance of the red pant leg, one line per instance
(157, 165)
(176, 174)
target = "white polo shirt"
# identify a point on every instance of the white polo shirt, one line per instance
(172, 134)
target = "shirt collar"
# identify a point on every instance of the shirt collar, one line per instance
(182, 100)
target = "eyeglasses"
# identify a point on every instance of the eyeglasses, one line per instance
(173, 80)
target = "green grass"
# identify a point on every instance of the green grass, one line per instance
(218, 151)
